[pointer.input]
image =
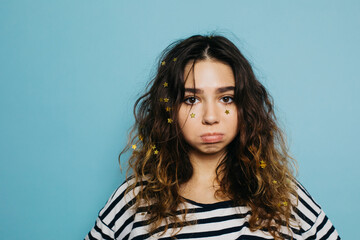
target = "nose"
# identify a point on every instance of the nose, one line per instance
(210, 114)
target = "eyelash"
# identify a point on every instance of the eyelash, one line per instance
(188, 98)
(231, 99)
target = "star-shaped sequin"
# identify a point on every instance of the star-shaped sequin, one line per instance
(156, 152)
(165, 84)
(192, 115)
(170, 120)
(174, 59)
(141, 138)
(262, 164)
(227, 112)
(163, 63)
(166, 100)
(168, 109)
(133, 146)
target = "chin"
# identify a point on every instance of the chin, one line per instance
(209, 150)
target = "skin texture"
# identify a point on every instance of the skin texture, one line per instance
(206, 113)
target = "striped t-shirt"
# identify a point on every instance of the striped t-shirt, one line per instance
(222, 220)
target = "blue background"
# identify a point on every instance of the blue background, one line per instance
(71, 71)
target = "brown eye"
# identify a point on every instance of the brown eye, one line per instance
(190, 100)
(227, 99)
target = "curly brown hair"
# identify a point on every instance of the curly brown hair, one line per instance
(257, 170)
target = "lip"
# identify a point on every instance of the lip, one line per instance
(212, 137)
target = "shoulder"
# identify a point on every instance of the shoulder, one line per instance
(121, 200)
(306, 207)
(310, 216)
(116, 217)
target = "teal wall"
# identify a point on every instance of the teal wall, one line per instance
(70, 72)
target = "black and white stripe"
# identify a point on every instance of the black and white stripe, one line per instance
(119, 220)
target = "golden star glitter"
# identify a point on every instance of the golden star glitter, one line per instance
(192, 115)
(285, 203)
(274, 182)
(153, 147)
(161, 99)
(141, 138)
(262, 164)
(174, 59)
(163, 63)
(170, 120)
(156, 152)
(227, 111)
(166, 100)
(133, 146)
(168, 109)
(165, 84)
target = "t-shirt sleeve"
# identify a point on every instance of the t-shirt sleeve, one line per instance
(100, 231)
(313, 220)
(113, 219)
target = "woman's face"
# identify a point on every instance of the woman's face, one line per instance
(208, 118)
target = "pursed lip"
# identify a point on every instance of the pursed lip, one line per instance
(212, 137)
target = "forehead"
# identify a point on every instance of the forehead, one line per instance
(208, 73)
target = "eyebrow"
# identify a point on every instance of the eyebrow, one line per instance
(219, 90)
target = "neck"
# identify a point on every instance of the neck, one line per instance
(204, 165)
(202, 185)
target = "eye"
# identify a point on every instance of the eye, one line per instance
(190, 100)
(227, 99)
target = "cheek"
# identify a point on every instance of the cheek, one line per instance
(232, 118)
(182, 116)
(187, 124)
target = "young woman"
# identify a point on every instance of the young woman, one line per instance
(209, 161)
